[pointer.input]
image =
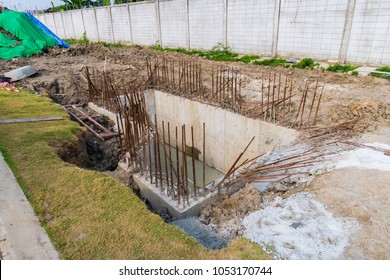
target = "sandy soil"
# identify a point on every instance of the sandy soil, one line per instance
(345, 97)
(356, 193)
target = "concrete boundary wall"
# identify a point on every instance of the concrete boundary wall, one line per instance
(344, 30)
(227, 133)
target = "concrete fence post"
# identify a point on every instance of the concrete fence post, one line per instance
(225, 22)
(63, 23)
(275, 36)
(188, 41)
(55, 23)
(347, 31)
(157, 9)
(112, 24)
(82, 19)
(71, 18)
(97, 27)
(131, 30)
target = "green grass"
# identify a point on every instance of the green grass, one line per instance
(306, 63)
(217, 53)
(273, 62)
(341, 68)
(247, 58)
(92, 216)
(382, 69)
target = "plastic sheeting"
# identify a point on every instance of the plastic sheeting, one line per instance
(33, 39)
(47, 31)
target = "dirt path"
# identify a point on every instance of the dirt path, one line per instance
(364, 195)
(21, 235)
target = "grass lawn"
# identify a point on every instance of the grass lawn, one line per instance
(87, 214)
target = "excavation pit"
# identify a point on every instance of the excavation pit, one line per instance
(183, 128)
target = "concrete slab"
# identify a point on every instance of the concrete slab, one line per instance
(21, 235)
(365, 70)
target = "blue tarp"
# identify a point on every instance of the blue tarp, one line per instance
(47, 31)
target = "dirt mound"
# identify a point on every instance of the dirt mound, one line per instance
(226, 215)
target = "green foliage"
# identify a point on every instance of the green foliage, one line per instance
(306, 63)
(79, 4)
(247, 58)
(82, 41)
(273, 62)
(341, 68)
(382, 69)
(355, 73)
(219, 52)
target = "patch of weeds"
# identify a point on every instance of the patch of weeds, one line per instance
(248, 58)
(306, 63)
(341, 68)
(219, 52)
(114, 45)
(82, 41)
(382, 69)
(273, 62)
(355, 73)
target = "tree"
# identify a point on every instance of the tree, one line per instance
(79, 4)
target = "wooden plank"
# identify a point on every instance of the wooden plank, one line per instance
(24, 120)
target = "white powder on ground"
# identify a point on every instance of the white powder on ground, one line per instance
(365, 158)
(299, 227)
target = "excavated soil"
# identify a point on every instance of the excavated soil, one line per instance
(348, 193)
(59, 75)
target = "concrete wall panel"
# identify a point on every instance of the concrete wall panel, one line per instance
(173, 16)
(144, 23)
(250, 25)
(121, 23)
(358, 30)
(206, 20)
(49, 22)
(370, 32)
(90, 24)
(78, 23)
(59, 25)
(104, 24)
(311, 28)
(68, 24)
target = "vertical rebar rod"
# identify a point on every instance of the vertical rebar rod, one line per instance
(284, 99)
(178, 168)
(212, 81)
(273, 98)
(165, 158)
(262, 93)
(150, 159)
(170, 158)
(193, 163)
(303, 105)
(291, 88)
(185, 178)
(268, 94)
(158, 154)
(312, 103)
(318, 106)
(204, 159)
(155, 159)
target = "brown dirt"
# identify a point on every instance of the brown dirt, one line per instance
(345, 97)
(227, 213)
